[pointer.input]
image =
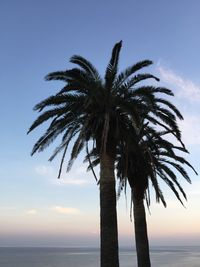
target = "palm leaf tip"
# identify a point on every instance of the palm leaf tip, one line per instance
(112, 67)
(119, 44)
(115, 52)
(48, 77)
(31, 128)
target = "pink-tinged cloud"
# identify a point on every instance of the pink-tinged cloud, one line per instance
(66, 210)
(31, 212)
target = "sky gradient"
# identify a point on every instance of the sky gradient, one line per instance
(38, 37)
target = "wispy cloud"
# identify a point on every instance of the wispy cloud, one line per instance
(187, 91)
(95, 232)
(74, 181)
(77, 176)
(44, 170)
(186, 88)
(66, 210)
(190, 128)
(31, 212)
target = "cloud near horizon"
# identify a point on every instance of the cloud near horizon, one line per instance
(74, 181)
(31, 212)
(66, 210)
(77, 176)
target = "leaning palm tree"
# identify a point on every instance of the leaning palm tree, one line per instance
(89, 109)
(141, 162)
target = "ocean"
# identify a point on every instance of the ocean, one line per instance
(89, 257)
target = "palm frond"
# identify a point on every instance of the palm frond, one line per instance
(172, 187)
(45, 140)
(86, 65)
(133, 81)
(67, 137)
(171, 106)
(57, 112)
(167, 124)
(77, 147)
(124, 75)
(60, 100)
(78, 144)
(57, 75)
(151, 90)
(179, 159)
(112, 67)
(158, 192)
(62, 160)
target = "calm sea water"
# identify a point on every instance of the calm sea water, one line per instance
(89, 257)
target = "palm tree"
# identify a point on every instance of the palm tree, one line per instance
(89, 109)
(142, 161)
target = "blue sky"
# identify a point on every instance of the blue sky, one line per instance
(38, 37)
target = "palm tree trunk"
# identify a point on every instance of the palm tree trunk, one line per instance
(108, 213)
(141, 237)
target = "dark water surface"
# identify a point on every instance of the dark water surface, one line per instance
(89, 257)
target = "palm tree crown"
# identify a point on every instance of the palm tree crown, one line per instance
(90, 108)
(148, 157)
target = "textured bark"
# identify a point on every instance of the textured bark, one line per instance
(108, 213)
(141, 237)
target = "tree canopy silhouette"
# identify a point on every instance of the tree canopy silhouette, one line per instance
(100, 111)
